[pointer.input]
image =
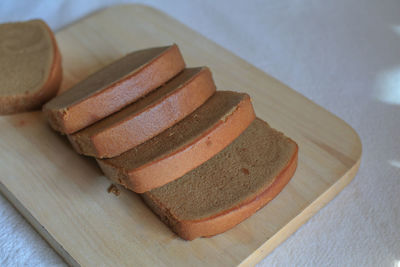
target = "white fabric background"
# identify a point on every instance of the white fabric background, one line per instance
(342, 54)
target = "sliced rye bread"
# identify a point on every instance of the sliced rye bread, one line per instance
(147, 117)
(184, 146)
(229, 187)
(30, 66)
(113, 87)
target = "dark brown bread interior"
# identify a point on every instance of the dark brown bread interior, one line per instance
(182, 138)
(234, 177)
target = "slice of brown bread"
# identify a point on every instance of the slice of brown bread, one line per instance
(147, 117)
(30, 66)
(184, 146)
(228, 188)
(113, 87)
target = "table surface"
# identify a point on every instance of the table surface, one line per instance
(343, 55)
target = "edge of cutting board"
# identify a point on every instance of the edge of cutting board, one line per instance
(301, 218)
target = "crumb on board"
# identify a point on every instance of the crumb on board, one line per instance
(113, 189)
(21, 123)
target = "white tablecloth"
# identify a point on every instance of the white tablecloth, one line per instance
(342, 54)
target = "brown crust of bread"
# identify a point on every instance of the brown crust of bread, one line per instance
(226, 220)
(77, 117)
(164, 113)
(20, 103)
(157, 173)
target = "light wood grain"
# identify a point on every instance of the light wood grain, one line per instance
(65, 196)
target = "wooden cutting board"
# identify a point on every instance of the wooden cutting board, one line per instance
(64, 195)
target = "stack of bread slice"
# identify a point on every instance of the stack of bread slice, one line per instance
(199, 158)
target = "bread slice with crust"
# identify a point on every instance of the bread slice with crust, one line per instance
(30, 66)
(147, 117)
(184, 146)
(113, 87)
(229, 187)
